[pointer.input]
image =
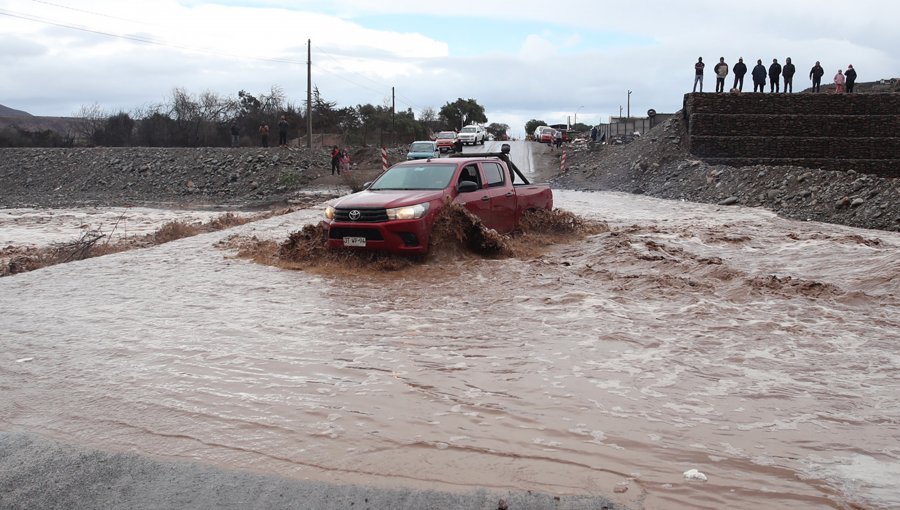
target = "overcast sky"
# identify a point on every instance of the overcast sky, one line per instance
(519, 59)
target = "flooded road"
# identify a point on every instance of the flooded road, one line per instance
(762, 352)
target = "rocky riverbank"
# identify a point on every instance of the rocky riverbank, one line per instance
(658, 164)
(242, 177)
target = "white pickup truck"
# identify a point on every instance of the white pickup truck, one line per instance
(472, 134)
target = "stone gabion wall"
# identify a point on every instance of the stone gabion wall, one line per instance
(830, 131)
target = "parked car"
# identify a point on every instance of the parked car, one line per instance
(423, 150)
(396, 212)
(472, 134)
(544, 134)
(445, 140)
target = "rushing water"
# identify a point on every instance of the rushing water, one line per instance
(760, 351)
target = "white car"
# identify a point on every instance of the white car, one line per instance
(472, 135)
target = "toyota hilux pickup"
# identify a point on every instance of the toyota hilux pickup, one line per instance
(396, 212)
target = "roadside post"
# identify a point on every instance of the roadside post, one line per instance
(562, 163)
(384, 163)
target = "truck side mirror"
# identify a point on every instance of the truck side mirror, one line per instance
(504, 148)
(467, 187)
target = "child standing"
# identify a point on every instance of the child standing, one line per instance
(345, 160)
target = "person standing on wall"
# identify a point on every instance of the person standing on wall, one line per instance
(850, 77)
(698, 74)
(739, 70)
(721, 70)
(815, 74)
(839, 80)
(759, 77)
(787, 72)
(775, 76)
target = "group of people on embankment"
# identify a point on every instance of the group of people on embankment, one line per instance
(843, 81)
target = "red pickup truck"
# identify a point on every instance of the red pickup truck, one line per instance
(395, 213)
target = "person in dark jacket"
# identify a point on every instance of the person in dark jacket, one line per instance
(787, 72)
(759, 77)
(815, 74)
(775, 76)
(282, 131)
(739, 70)
(335, 160)
(850, 77)
(698, 74)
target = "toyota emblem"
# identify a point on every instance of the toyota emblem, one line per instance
(354, 215)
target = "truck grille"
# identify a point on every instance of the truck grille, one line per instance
(366, 215)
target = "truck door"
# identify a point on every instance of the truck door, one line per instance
(477, 202)
(501, 195)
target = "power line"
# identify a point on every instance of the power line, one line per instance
(85, 11)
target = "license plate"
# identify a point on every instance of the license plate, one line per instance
(355, 241)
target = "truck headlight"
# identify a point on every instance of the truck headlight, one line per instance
(409, 212)
(329, 212)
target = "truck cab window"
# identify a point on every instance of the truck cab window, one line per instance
(493, 173)
(470, 173)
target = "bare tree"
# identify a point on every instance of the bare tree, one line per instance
(91, 120)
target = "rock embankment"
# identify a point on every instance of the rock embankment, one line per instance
(658, 164)
(135, 176)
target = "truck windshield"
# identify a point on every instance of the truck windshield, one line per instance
(424, 176)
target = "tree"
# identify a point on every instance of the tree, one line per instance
(117, 131)
(532, 124)
(91, 121)
(462, 112)
(497, 130)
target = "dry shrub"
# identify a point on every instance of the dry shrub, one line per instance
(229, 220)
(175, 230)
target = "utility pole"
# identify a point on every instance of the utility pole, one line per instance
(620, 112)
(393, 110)
(309, 93)
(629, 104)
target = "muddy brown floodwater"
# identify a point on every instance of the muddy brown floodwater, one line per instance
(760, 351)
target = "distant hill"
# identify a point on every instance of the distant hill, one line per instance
(6, 111)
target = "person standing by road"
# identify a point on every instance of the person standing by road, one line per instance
(282, 131)
(815, 74)
(787, 72)
(721, 70)
(698, 74)
(775, 76)
(264, 134)
(345, 161)
(235, 134)
(335, 160)
(850, 77)
(759, 77)
(839, 80)
(739, 70)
